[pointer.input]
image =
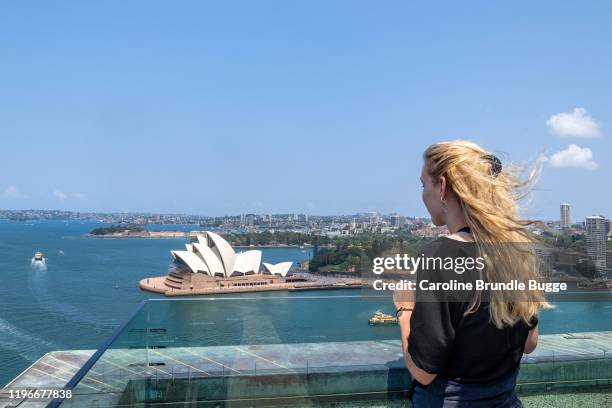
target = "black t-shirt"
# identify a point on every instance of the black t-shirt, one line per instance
(444, 340)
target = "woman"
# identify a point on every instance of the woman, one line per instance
(465, 352)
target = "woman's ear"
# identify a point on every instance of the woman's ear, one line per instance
(442, 184)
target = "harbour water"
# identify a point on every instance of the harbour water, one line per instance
(88, 286)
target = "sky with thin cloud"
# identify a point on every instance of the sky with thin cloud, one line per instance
(319, 107)
(576, 123)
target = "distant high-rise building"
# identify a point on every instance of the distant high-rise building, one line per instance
(596, 243)
(397, 220)
(545, 261)
(566, 221)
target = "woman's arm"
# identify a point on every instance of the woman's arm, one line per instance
(532, 340)
(418, 374)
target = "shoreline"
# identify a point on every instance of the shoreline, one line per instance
(170, 286)
(176, 235)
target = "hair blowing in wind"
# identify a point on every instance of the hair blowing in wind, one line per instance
(489, 196)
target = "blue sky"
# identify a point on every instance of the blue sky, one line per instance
(296, 106)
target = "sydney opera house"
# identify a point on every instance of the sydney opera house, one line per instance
(209, 264)
(214, 256)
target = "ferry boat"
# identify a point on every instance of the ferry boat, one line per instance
(38, 256)
(382, 318)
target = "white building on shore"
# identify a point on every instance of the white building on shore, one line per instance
(212, 255)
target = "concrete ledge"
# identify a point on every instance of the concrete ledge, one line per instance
(288, 371)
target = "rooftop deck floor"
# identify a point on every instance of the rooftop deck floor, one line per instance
(108, 378)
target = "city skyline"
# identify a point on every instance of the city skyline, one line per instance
(278, 108)
(32, 213)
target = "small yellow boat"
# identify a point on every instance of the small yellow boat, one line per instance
(382, 318)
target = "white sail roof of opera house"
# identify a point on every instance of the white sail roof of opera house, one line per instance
(279, 268)
(245, 261)
(213, 255)
(193, 261)
(212, 261)
(225, 250)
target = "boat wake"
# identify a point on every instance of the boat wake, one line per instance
(40, 264)
(42, 292)
(26, 345)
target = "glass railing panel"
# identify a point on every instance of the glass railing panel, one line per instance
(120, 365)
(303, 350)
(243, 348)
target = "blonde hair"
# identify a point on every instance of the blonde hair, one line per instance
(489, 194)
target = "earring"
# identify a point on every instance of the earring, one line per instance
(443, 204)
